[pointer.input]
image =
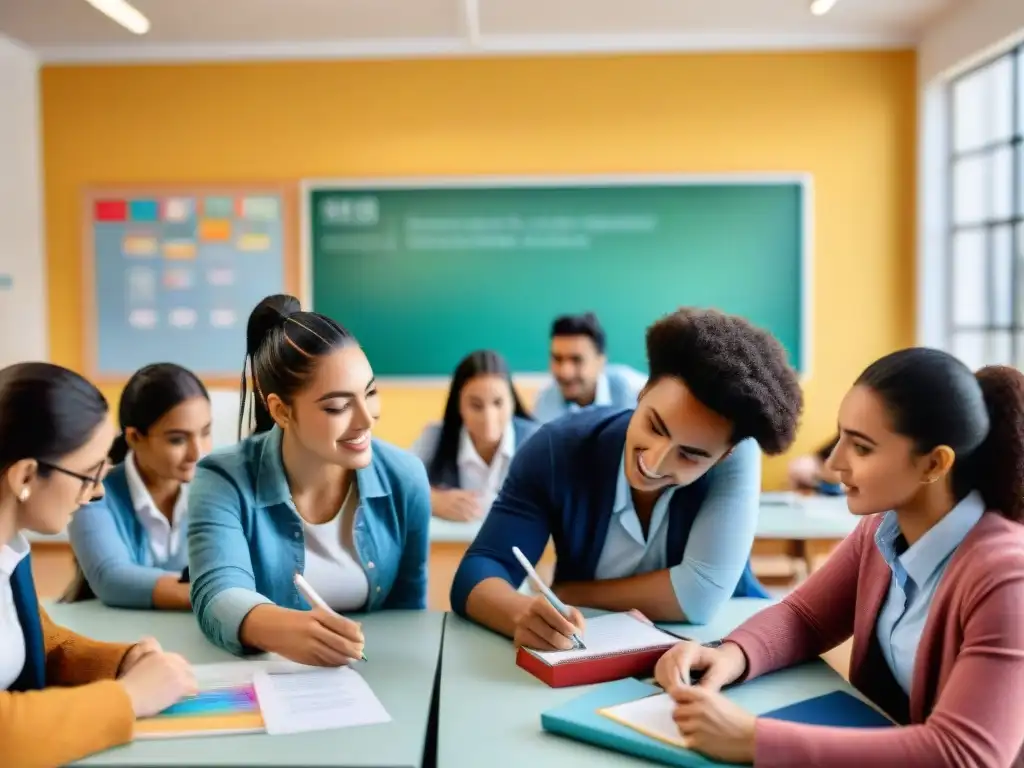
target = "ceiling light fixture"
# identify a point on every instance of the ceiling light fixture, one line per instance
(818, 7)
(128, 16)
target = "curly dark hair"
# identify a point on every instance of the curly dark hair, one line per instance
(934, 399)
(734, 368)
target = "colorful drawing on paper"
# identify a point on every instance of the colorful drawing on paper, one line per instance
(230, 709)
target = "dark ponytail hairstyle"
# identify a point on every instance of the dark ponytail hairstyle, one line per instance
(46, 412)
(282, 346)
(934, 399)
(484, 362)
(151, 393)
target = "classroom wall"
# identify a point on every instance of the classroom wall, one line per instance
(848, 118)
(23, 313)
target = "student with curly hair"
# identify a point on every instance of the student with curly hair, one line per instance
(930, 585)
(651, 509)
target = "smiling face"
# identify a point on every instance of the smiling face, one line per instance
(173, 445)
(673, 438)
(880, 467)
(333, 415)
(576, 364)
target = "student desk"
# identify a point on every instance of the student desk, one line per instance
(805, 528)
(403, 648)
(490, 709)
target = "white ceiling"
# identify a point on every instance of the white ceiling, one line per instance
(217, 29)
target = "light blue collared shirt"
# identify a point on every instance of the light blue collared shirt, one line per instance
(915, 578)
(719, 544)
(618, 386)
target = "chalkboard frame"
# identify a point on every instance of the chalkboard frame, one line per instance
(291, 267)
(805, 180)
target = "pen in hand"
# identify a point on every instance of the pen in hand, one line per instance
(314, 599)
(551, 597)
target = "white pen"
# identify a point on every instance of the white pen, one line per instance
(313, 598)
(552, 598)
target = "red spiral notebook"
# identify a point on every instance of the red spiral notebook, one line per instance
(619, 645)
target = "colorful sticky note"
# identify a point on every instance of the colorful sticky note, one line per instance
(110, 210)
(259, 208)
(139, 244)
(178, 208)
(215, 230)
(144, 319)
(222, 276)
(141, 286)
(254, 241)
(177, 279)
(144, 210)
(223, 318)
(183, 317)
(218, 207)
(179, 249)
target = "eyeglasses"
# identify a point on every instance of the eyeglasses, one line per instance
(89, 483)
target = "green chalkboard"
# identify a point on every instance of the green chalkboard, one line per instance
(423, 275)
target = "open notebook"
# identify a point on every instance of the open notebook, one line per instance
(618, 645)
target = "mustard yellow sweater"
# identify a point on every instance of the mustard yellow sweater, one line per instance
(82, 710)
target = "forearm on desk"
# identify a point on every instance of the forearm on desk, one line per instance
(496, 605)
(171, 594)
(650, 593)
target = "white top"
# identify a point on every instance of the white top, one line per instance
(332, 566)
(12, 639)
(477, 475)
(164, 536)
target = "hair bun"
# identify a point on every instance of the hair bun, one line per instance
(269, 314)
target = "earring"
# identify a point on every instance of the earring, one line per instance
(23, 496)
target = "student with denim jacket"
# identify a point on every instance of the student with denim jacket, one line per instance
(310, 492)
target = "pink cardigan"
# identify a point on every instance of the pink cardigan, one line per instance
(967, 695)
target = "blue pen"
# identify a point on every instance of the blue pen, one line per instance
(551, 597)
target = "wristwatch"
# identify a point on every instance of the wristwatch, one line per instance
(712, 644)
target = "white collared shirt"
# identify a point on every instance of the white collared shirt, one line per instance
(12, 639)
(477, 475)
(164, 536)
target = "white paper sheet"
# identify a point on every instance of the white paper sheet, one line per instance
(231, 673)
(610, 634)
(317, 700)
(651, 716)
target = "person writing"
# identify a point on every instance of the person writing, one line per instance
(929, 585)
(130, 545)
(467, 454)
(581, 372)
(62, 696)
(652, 509)
(309, 493)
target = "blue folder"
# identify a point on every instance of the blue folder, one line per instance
(579, 719)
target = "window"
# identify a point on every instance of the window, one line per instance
(985, 315)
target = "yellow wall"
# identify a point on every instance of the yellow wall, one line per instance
(847, 118)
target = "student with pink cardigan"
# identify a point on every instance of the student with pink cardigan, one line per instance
(930, 585)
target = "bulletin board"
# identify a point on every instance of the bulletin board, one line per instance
(172, 273)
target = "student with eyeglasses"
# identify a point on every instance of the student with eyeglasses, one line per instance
(62, 696)
(130, 545)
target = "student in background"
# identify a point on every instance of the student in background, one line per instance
(653, 509)
(930, 585)
(811, 473)
(310, 491)
(468, 453)
(582, 375)
(130, 545)
(62, 696)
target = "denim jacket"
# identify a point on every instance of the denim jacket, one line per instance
(245, 538)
